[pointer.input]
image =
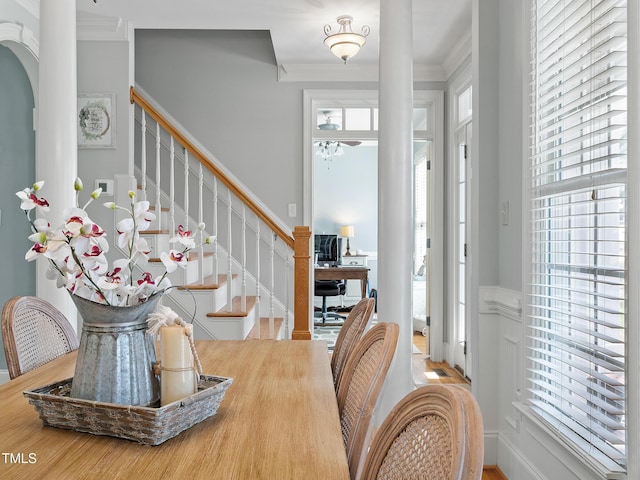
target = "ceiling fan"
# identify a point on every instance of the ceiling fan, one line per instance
(329, 125)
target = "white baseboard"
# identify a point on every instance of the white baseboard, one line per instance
(514, 464)
(4, 376)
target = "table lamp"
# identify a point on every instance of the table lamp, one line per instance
(347, 231)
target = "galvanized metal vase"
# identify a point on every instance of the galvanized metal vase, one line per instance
(116, 355)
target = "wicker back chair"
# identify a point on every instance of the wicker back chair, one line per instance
(34, 332)
(435, 432)
(349, 335)
(360, 386)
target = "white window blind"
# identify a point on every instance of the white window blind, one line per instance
(576, 323)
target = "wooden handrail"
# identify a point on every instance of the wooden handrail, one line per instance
(135, 97)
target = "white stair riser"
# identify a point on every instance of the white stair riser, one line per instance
(227, 328)
(206, 328)
(182, 275)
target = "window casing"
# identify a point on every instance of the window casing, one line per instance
(577, 179)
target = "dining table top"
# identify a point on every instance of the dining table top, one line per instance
(278, 420)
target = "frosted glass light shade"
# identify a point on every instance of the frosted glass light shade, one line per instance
(345, 44)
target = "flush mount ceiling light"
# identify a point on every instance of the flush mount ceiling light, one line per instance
(345, 44)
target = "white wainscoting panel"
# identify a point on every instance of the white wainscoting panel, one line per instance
(515, 440)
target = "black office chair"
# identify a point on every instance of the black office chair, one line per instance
(324, 289)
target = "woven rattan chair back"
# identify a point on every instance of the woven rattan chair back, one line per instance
(34, 332)
(349, 335)
(435, 432)
(360, 386)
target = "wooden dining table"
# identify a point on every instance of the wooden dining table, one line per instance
(278, 420)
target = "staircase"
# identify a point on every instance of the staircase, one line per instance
(243, 285)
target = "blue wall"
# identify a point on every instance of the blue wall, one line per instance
(17, 164)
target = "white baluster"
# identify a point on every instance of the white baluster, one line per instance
(229, 253)
(272, 287)
(258, 276)
(186, 189)
(215, 229)
(200, 216)
(287, 291)
(143, 155)
(158, 191)
(243, 288)
(172, 189)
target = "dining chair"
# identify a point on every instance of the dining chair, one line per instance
(34, 332)
(349, 335)
(360, 386)
(434, 432)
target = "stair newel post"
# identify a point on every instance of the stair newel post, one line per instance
(301, 281)
(215, 229)
(258, 276)
(272, 286)
(229, 254)
(243, 291)
(172, 189)
(143, 155)
(200, 219)
(158, 190)
(186, 188)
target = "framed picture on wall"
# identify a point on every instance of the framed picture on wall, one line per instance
(96, 120)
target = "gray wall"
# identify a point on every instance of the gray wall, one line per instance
(17, 164)
(103, 67)
(222, 87)
(511, 100)
(486, 100)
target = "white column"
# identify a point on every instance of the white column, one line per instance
(56, 137)
(395, 198)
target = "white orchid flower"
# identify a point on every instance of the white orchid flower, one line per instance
(172, 259)
(184, 237)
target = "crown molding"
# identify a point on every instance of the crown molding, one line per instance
(20, 34)
(336, 72)
(105, 29)
(459, 53)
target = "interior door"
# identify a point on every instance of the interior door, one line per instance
(462, 358)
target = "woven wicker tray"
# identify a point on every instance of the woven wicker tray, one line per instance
(147, 425)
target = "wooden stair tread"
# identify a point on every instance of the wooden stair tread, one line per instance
(154, 232)
(235, 308)
(192, 256)
(264, 329)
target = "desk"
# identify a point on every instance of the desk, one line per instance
(344, 273)
(278, 420)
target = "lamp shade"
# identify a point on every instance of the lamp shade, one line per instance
(347, 231)
(345, 44)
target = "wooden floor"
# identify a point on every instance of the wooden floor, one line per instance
(434, 372)
(442, 373)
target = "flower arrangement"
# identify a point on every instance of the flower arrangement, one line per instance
(76, 249)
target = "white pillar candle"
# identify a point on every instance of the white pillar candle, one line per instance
(177, 372)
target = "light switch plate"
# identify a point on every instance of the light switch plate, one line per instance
(504, 213)
(292, 209)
